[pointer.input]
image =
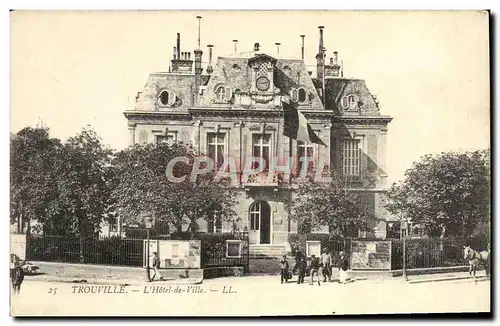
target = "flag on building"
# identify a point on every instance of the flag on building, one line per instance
(297, 127)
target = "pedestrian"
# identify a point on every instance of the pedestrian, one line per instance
(156, 266)
(298, 258)
(326, 261)
(17, 277)
(343, 266)
(284, 269)
(301, 265)
(315, 266)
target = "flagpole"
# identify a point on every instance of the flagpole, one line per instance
(278, 136)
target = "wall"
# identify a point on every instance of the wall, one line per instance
(18, 245)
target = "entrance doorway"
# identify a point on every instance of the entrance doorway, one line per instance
(260, 223)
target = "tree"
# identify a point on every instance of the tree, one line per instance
(33, 155)
(83, 186)
(328, 203)
(143, 187)
(448, 194)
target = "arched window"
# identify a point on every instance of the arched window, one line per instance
(164, 98)
(349, 102)
(167, 98)
(220, 93)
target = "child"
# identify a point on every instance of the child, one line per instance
(315, 265)
(17, 276)
(284, 269)
(301, 265)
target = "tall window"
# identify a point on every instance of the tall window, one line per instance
(351, 162)
(216, 147)
(169, 139)
(262, 148)
(305, 150)
(255, 216)
(215, 221)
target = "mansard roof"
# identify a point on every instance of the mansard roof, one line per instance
(337, 88)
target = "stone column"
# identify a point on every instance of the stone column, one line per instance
(197, 134)
(236, 149)
(131, 133)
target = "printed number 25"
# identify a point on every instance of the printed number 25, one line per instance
(53, 291)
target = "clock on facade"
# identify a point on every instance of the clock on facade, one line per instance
(262, 83)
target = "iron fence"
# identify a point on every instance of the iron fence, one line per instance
(428, 253)
(420, 253)
(129, 252)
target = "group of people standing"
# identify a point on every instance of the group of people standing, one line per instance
(318, 266)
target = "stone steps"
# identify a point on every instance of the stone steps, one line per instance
(266, 251)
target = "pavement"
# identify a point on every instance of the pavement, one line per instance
(251, 296)
(99, 274)
(119, 275)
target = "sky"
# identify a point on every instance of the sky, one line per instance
(430, 70)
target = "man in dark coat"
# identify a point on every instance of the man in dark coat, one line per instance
(301, 265)
(284, 269)
(298, 257)
(315, 267)
(17, 277)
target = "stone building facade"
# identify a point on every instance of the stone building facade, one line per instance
(232, 108)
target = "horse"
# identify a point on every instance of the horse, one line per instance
(476, 258)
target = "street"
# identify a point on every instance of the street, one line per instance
(250, 296)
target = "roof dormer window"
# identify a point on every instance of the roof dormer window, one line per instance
(350, 102)
(220, 93)
(298, 95)
(223, 94)
(167, 98)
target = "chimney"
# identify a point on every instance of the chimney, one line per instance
(181, 63)
(235, 45)
(210, 69)
(302, 36)
(199, 31)
(320, 39)
(335, 65)
(178, 45)
(256, 47)
(320, 57)
(197, 56)
(277, 47)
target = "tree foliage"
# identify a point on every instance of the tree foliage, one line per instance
(63, 187)
(83, 184)
(328, 203)
(142, 187)
(448, 194)
(33, 155)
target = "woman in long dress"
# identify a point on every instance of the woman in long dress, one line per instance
(343, 266)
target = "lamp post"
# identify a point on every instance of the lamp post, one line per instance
(149, 225)
(403, 235)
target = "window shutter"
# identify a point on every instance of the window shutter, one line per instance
(229, 93)
(294, 94)
(171, 98)
(345, 102)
